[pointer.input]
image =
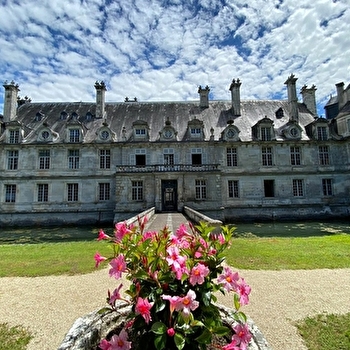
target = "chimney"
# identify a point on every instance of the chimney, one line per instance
(236, 97)
(340, 95)
(309, 98)
(292, 98)
(204, 96)
(100, 99)
(10, 100)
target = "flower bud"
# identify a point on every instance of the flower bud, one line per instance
(170, 332)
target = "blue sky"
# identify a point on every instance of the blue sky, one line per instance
(163, 50)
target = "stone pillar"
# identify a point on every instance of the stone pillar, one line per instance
(292, 98)
(236, 97)
(204, 96)
(10, 100)
(309, 98)
(100, 99)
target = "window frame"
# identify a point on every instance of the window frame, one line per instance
(137, 190)
(42, 192)
(323, 155)
(14, 136)
(233, 188)
(200, 189)
(12, 159)
(104, 191)
(298, 188)
(105, 158)
(266, 156)
(327, 187)
(73, 158)
(295, 155)
(44, 159)
(231, 156)
(10, 193)
(322, 133)
(72, 192)
(74, 135)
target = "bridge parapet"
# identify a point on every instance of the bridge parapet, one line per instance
(196, 217)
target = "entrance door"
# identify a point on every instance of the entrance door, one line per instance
(169, 195)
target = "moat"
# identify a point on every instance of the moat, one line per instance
(25, 235)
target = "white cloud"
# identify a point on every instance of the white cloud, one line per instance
(162, 50)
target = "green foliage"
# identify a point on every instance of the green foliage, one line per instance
(326, 332)
(13, 338)
(174, 276)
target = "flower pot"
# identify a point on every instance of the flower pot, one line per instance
(88, 330)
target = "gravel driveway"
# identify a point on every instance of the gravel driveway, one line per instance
(48, 306)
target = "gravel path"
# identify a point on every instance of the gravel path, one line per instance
(48, 306)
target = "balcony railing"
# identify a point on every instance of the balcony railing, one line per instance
(166, 168)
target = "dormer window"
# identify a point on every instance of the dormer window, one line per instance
(140, 132)
(38, 117)
(265, 133)
(74, 135)
(104, 135)
(45, 135)
(263, 130)
(63, 115)
(195, 132)
(14, 136)
(322, 133)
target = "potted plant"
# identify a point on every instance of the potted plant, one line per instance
(173, 280)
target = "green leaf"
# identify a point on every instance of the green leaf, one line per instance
(103, 310)
(179, 341)
(159, 328)
(204, 338)
(236, 302)
(160, 342)
(221, 331)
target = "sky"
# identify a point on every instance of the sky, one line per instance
(162, 50)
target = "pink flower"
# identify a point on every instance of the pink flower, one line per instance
(104, 345)
(242, 335)
(118, 266)
(182, 231)
(232, 346)
(115, 295)
(98, 259)
(243, 290)
(173, 301)
(102, 235)
(187, 303)
(198, 273)
(143, 307)
(176, 261)
(228, 279)
(121, 229)
(170, 332)
(120, 342)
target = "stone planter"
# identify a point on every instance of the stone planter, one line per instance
(88, 330)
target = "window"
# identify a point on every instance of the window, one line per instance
(195, 132)
(298, 188)
(269, 188)
(322, 133)
(196, 156)
(323, 155)
(201, 189)
(73, 159)
(12, 160)
(105, 159)
(74, 135)
(233, 191)
(140, 132)
(295, 155)
(327, 187)
(231, 156)
(104, 191)
(266, 156)
(43, 192)
(140, 157)
(137, 190)
(14, 136)
(168, 159)
(72, 192)
(10, 193)
(265, 133)
(44, 159)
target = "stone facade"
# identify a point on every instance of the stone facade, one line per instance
(231, 160)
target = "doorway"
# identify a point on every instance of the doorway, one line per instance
(169, 195)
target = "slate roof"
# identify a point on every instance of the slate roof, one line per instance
(33, 116)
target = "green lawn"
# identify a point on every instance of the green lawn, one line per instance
(13, 338)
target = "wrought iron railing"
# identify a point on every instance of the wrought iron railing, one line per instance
(166, 168)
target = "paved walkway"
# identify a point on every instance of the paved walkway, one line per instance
(48, 306)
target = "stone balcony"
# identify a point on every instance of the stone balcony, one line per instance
(166, 168)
